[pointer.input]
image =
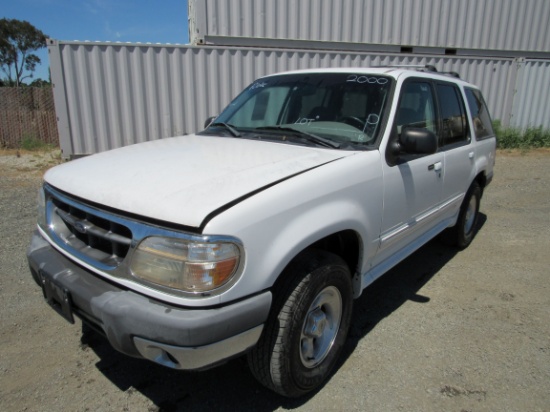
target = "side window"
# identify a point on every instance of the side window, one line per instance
(416, 107)
(453, 117)
(480, 115)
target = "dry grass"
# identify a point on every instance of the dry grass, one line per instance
(21, 162)
(533, 152)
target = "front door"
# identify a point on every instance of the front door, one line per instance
(413, 187)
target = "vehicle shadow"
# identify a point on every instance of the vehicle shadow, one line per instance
(397, 286)
(232, 386)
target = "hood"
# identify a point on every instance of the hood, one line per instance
(183, 179)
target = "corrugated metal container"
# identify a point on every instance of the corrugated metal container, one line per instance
(532, 102)
(109, 95)
(489, 25)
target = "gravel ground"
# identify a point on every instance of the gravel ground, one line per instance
(443, 331)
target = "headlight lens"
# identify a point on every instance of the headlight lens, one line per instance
(184, 264)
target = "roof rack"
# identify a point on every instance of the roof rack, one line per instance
(422, 68)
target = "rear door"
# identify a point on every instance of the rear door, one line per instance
(455, 143)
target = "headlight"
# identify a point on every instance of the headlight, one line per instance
(186, 265)
(41, 210)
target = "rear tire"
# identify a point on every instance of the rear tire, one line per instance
(462, 234)
(307, 327)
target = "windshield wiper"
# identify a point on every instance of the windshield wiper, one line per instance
(308, 136)
(234, 132)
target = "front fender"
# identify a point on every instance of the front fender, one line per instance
(278, 223)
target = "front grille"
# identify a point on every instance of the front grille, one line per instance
(88, 232)
(103, 240)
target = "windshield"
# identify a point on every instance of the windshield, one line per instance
(340, 110)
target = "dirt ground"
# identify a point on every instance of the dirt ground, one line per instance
(443, 331)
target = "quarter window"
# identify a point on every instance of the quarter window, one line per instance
(480, 115)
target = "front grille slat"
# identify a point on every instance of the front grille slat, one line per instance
(98, 238)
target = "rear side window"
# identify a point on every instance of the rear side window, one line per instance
(453, 116)
(480, 115)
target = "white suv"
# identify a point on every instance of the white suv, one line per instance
(256, 234)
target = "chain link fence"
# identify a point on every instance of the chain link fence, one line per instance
(27, 117)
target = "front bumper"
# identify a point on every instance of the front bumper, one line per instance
(139, 326)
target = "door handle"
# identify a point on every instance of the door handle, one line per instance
(471, 155)
(436, 166)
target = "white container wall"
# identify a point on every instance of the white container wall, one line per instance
(488, 25)
(531, 102)
(109, 95)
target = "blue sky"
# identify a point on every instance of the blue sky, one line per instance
(162, 21)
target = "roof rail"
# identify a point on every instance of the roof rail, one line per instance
(423, 68)
(454, 74)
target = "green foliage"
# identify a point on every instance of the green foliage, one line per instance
(17, 40)
(515, 138)
(32, 144)
(40, 83)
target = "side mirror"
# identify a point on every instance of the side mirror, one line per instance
(417, 141)
(209, 121)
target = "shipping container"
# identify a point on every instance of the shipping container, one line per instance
(510, 28)
(531, 106)
(109, 95)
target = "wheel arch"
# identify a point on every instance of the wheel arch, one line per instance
(346, 244)
(481, 180)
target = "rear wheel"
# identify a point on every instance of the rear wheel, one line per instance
(462, 234)
(307, 327)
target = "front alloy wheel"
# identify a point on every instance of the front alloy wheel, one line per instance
(307, 327)
(321, 326)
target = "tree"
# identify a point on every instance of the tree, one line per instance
(17, 41)
(40, 83)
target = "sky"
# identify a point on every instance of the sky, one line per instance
(161, 21)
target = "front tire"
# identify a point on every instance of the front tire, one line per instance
(307, 327)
